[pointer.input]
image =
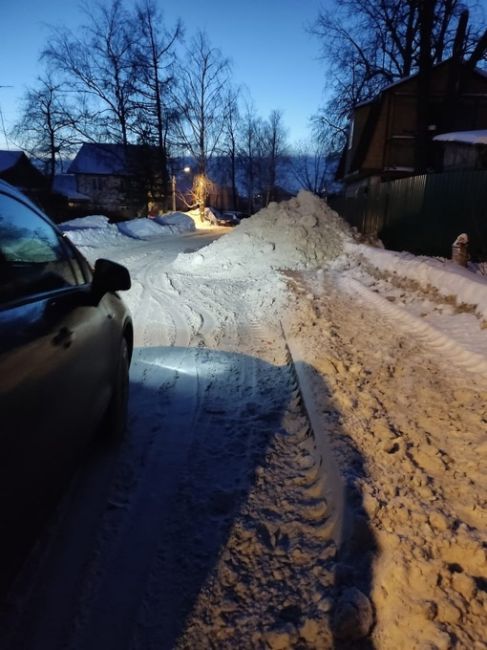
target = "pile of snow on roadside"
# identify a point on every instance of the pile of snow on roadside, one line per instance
(176, 222)
(97, 231)
(302, 233)
(448, 278)
(142, 229)
(93, 230)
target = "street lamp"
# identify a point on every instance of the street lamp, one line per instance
(186, 170)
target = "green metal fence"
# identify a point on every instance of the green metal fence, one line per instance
(423, 214)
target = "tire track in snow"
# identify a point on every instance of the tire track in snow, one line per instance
(280, 551)
(419, 434)
(436, 341)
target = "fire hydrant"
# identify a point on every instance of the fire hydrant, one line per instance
(459, 250)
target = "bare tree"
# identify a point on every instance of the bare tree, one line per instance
(99, 65)
(200, 99)
(230, 145)
(250, 153)
(44, 128)
(368, 44)
(274, 152)
(311, 167)
(155, 61)
(155, 58)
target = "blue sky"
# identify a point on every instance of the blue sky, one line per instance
(266, 40)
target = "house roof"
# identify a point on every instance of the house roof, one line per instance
(9, 159)
(467, 137)
(373, 117)
(106, 159)
(398, 82)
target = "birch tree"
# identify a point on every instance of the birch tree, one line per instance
(204, 77)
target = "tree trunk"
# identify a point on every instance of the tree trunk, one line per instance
(426, 18)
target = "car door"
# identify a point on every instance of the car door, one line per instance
(56, 368)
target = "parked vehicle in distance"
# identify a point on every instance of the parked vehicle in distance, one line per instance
(236, 214)
(219, 218)
(66, 340)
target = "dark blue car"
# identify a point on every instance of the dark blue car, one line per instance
(66, 340)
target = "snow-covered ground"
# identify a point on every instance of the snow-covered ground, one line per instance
(305, 465)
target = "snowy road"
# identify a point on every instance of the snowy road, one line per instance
(216, 422)
(335, 502)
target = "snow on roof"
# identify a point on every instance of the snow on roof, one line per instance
(106, 159)
(469, 137)
(9, 158)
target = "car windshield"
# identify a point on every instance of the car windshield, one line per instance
(32, 256)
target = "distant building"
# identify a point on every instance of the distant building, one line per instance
(119, 180)
(16, 169)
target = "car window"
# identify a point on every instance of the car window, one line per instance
(33, 258)
(82, 268)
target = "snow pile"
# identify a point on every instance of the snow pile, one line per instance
(302, 233)
(212, 215)
(448, 278)
(142, 229)
(91, 221)
(209, 218)
(93, 231)
(177, 223)
(97, 231)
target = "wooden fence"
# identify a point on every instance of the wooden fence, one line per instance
(423, 214)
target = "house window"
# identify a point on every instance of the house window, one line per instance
(97, 184)
(350, 134)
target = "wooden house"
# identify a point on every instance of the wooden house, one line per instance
(17, 169)
(119, 180)
(383, 138)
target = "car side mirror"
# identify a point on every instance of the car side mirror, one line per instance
(110, 276)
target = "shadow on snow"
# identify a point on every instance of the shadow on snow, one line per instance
(145, 521)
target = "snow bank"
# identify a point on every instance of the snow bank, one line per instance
(97, 231)
(91, 221)
(445, 276)
(92, 231)
(302, 233)
(176, 222)
(141, 228)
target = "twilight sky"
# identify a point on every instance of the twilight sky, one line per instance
(266, 40)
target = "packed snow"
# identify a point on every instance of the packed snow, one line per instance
(176, 222)
(98, 231)
(308, 419)
(298, 234)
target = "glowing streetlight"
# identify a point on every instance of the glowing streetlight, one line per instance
(186, 170)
